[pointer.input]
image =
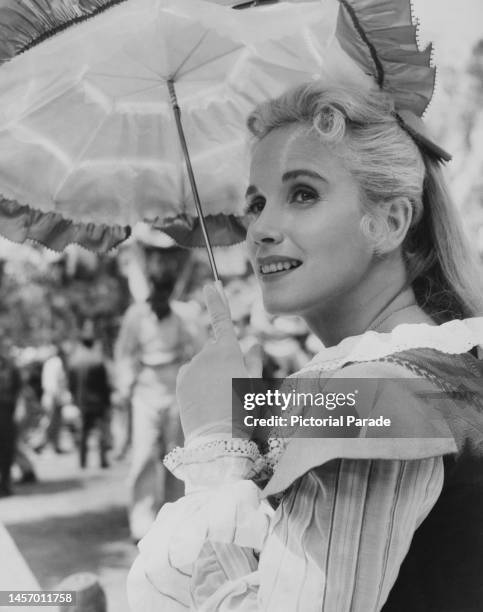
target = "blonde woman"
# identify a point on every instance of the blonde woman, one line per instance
(352, 229)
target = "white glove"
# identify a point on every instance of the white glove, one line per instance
(204, 385)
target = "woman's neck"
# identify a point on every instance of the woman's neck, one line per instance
(382, 313)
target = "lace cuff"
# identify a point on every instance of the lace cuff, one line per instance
(215, 462)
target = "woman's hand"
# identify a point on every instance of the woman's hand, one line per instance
(204, 385)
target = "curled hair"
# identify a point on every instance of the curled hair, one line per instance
(362, 129)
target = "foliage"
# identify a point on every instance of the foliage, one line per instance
(42, 305)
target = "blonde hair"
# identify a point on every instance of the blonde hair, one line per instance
(363, 129)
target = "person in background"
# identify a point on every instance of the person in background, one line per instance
(152, 343)
(91, 390)
(55, 395)
(23, 421)
(10, 386)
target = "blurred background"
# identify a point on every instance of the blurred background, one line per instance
(71, 502)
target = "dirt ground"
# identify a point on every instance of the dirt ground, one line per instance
(73, 521)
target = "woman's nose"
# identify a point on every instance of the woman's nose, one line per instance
(265, 230)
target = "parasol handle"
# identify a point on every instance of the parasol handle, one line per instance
(221, 291)
(189, 168)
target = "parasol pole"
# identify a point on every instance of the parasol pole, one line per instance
(189, 168)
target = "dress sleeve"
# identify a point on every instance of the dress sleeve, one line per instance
(210, 537)
(337, 540)
(335, 543)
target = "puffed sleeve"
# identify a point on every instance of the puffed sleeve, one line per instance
(209, 537)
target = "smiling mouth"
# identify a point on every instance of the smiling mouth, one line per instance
(279, 266)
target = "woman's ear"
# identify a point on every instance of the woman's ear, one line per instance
(397, 216)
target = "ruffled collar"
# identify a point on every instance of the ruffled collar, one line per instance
(454, 337)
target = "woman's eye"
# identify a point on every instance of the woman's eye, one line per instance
(255, 207)
(302, 195)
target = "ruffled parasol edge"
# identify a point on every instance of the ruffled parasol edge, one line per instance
(223, 229)
(20, 223)
(29, 22)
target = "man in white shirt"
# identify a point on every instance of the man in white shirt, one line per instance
(153, 343)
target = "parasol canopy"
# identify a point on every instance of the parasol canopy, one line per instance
(87, 131)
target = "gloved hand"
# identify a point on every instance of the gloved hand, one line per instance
(204, 385)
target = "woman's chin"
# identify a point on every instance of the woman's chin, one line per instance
(280, 304)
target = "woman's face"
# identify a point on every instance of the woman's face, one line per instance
(304, 236)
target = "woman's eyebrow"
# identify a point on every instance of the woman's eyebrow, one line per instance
(293, 174)
(288, 176)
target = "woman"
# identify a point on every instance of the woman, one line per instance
(351, 228)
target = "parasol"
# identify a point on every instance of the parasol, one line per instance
(87, 136)
(88, 97)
